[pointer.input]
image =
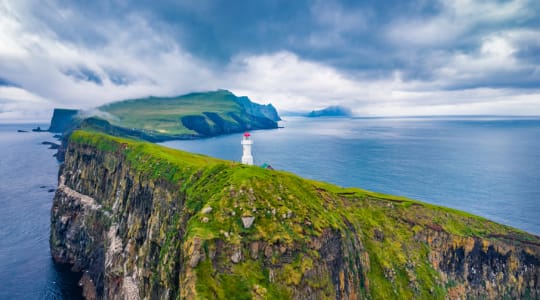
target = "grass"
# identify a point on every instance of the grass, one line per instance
(292, 212)
(163, 115)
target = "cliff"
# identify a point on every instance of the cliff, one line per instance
(258, 110)
(63, 120)
(146, 222)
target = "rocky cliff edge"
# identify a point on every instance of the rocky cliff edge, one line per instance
(146, 222)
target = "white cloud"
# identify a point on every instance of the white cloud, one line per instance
(19, 105)
(150, 62)
(495, 57)
(420, 33)
(478, 102)
(153, 63)
(456, 20)
(485, 11)
(10, 47)
(497, 46)
(290, 83)
(335, 21)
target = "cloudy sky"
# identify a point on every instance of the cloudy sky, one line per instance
(419, 57)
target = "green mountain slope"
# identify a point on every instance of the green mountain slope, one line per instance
(204, 114)
(165, 118)
(146, 221)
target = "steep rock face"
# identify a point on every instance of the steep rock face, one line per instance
(476, 267)
(258, 110)
(212, 124)
(63, 120)
(145, 222)
(115, 236)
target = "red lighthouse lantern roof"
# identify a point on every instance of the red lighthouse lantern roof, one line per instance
(247, 134)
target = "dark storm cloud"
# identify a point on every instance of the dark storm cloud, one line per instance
(299, 54)
(5, 82)
(84, 74)
(376, 37)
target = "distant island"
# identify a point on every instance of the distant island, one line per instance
(158, 119)
(331, 111)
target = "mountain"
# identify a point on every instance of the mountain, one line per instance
(158, 119)
(331, 111)
(255, 109)
(63, 120)
(164, 118)
(144, 221)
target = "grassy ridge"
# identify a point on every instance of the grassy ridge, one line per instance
(163, 115)
(292, 212)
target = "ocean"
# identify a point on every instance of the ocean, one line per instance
(28, 172)
(489, 166)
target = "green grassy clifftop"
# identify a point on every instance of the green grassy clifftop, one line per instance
(148, 221)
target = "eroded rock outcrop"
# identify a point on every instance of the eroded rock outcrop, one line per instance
(145, 222)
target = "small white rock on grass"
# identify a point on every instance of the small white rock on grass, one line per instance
(248, 221)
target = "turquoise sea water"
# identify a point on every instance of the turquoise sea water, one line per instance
(487, 166)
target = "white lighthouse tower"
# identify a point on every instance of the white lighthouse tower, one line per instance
(247, 158)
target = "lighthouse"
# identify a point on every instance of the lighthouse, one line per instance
(247, 158)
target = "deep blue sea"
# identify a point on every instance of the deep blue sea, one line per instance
(27, 173)
(487, 166)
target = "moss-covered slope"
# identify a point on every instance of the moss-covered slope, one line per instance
(146, 221)
(158, 119)
(195, 114)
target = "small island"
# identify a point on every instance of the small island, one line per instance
(37, 129)
(331, 111)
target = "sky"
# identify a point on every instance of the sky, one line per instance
(379, 58)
